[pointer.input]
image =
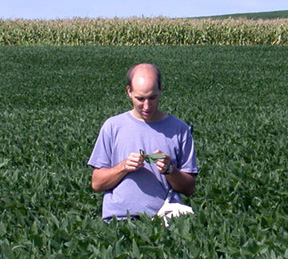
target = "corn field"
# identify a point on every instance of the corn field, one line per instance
(143, 31)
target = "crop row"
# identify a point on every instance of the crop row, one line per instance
(143, 31)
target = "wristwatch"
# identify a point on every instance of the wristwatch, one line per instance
(169, 170)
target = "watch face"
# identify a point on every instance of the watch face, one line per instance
(170, 169)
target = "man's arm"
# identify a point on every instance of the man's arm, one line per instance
(180, 181)
(107, 178)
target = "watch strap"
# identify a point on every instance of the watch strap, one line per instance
(169, 170)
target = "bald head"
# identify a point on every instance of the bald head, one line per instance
(144, 70)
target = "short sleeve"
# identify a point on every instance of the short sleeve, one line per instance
(188, 161)
(102, 151)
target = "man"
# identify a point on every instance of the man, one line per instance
(130, 183)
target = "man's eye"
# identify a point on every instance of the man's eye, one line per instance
(140, 99)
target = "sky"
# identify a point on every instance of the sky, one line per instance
(66, 9)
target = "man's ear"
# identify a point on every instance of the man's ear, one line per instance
(128, 90)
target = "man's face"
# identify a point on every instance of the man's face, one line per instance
(145, 95)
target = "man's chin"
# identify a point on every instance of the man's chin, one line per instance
(148, 119)
(146, 115)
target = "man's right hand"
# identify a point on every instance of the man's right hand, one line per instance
(133, 162)
(107, 178)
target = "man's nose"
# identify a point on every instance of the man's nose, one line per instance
(147, 104)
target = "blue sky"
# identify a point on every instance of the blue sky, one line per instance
(59, 9)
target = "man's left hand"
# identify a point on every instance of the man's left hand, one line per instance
(163, 163)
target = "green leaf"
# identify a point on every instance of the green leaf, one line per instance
(4, 163)
(153, 250)
(151, 158)
(6, 252)
(55, 220)
(107, 253)
(157, 155)
(135, 250)
(2, 229)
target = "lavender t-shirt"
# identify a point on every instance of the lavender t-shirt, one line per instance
(144, 190)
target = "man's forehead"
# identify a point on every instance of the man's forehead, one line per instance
(142, 75)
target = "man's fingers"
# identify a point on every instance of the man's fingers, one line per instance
(135, 157)
(134, 162)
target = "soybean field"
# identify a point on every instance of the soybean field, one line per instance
(53, 101)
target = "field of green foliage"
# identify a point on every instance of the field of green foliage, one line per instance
(53, 101)
(253, 16)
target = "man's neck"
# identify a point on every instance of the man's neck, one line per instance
(157, 117)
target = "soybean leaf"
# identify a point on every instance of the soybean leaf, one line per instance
(135, 249)
(157, 156)
(3, 230)
(151, 158)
